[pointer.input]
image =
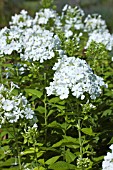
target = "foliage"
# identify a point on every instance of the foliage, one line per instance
(69, 132)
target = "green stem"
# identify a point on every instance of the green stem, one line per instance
(35, 149)
(66, 119)
(45, 106)
(19, 161)
(80, 135)
(1, 72)
(80, 139)
(65, 133)
(18, 155)
(102, 68)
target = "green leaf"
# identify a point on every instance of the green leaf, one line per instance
(29, 151)
(54, 100)
(61, 165)
(68, 140)
(88, 131)
(107, 112)
(12, 168)
(39, 168)
(8, 162)
(70, 157)
(14, 92)
(2, 155)
(111, 141)
(71, 139)
(109, 93)
(40, 109)
(54, 124)
(41, 161)
(60, 107)
(58, 143)
(34, 92)
(40, 153)
(39, 144)
(98, 159)
(73, 146)
(52, 160)
(50, 112)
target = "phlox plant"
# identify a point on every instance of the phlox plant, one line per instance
(56, 91)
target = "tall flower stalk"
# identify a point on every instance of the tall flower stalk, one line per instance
(17, 147)
(45, 107)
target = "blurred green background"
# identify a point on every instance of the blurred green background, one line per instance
(10, 7)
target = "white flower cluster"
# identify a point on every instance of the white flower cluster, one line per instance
(101, 37)
(21, 20)
(107, 164)
(74, 74)
(31, 38)
(39, 45)
(71, 19)
(94, 22)
(12, 108)
(97, 31)
(44, 15)
(28, 39)
(9, 41)
(94, 25)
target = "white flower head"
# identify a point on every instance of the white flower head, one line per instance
(101, 37)
(75, 21)
(13, 107)
(28, 113)
(44, 15)
(8, 105)
(94, 22)
(21, 20)
(74, 74)
(39, 45)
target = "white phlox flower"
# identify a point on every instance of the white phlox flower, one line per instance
(39, 45)
(34, 43)
(75, 21)
(44, 15)
(8, 105)
(10, 38)
(74, 74)
(13, 107)
(107, 164)
(94, 22)
(101, 37)
(22, 20)
(8, 42)
(28, 113)
(97, 31)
